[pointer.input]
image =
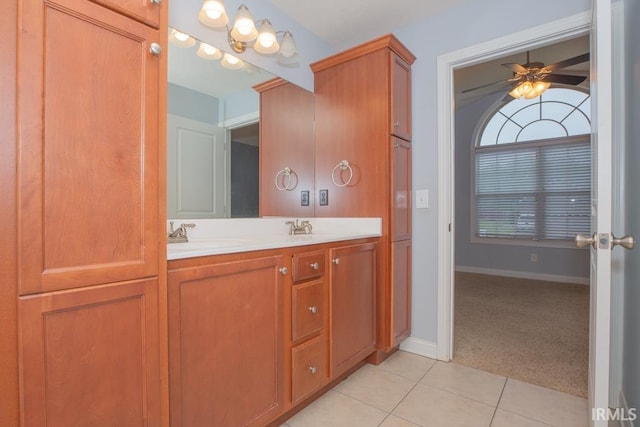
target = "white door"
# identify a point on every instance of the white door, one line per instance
(196, 169)
(602, 89)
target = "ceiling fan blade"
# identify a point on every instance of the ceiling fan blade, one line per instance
(516, 68)
(564, 78)
(566, 63)
(500, 83)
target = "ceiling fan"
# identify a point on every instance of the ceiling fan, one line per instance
(533, 78)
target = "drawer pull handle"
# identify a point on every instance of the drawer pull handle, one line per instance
(336, 261)
(315, 266)
(284, 271)
(313, 370)
(313, 309)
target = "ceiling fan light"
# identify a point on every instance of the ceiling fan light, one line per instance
(206, 51)
(267, 42)
(231, 62)
(244, 29)
(541, 86)
(181, 39)
(213, 14)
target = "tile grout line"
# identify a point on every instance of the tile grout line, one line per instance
(495, 410)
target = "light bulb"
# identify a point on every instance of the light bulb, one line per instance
(213, 14)
(206, 51)
(231, 62)
(181, 39)
(525, 88)
(267, 42)
(244, 30)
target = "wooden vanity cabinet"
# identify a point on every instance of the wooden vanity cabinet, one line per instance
(286, 141)
(226, 328)
(353, 305)
(309, 317)
(90, 212)
(363, 112)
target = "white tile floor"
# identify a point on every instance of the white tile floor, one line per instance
(408, 390)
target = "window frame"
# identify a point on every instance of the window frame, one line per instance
(474, 238)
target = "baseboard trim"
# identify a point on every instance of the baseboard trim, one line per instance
(524, 275)
(420, 347)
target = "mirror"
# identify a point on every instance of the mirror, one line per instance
(212, 134)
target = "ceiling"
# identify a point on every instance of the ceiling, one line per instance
(338, 21)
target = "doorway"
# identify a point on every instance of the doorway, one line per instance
(522, 193)
(569, 28)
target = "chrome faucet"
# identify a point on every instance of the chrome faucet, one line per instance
(296, 227)
(180, 234)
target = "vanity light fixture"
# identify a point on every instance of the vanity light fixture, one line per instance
(246, 32)
(181, 39)
(231, 62)
(206, 51)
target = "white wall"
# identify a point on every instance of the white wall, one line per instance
(467, 25)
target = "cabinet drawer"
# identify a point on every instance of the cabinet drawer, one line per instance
(308, 368)
(308, 265)
(308, 309)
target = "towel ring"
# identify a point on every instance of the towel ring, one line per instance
(343, 165)
(286, 173)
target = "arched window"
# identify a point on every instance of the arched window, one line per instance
(532, 162)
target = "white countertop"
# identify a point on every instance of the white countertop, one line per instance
(224, 236)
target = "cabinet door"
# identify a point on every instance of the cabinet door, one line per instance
(88, 167)
(90, 356)
(286, 140)
(401, 190)
(226, 343)
(353, 322)
(400, 98)
(401, 290)
(146, 11)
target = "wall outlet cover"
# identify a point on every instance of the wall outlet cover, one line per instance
(324, 197)
(304, 198)
(422, 199)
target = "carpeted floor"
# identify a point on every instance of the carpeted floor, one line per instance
(529, 330)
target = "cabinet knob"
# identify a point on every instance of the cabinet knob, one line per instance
(155, 1)
(396, 124)
(315, 266)
(313, 309)
(155, 49)
(284, 271)
(313, 370)
(336, 261)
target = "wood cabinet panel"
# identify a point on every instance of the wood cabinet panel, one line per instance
(88, 164)
(400, 98)
(286, 140)
(401, 294)
(146, 11)
(90, 356)
(353, 290)
(308, 366)
(226, 343)
(308, 265)
(401, 190)
(307, 309)
(352, 119)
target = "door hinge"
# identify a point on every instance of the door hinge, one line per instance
(449, 227)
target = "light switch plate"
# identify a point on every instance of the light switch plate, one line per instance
(422, 199)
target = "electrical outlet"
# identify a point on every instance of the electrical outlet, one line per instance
(324, 197)
(304, 198)
(534, 257)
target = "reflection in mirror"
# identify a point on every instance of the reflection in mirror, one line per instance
(212, 132)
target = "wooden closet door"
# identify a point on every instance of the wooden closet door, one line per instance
(88, 157)
(89, 356)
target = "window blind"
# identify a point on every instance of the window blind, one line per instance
(533, 191)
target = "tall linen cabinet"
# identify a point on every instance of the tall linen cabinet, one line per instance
(89, 245)
(363, 160)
